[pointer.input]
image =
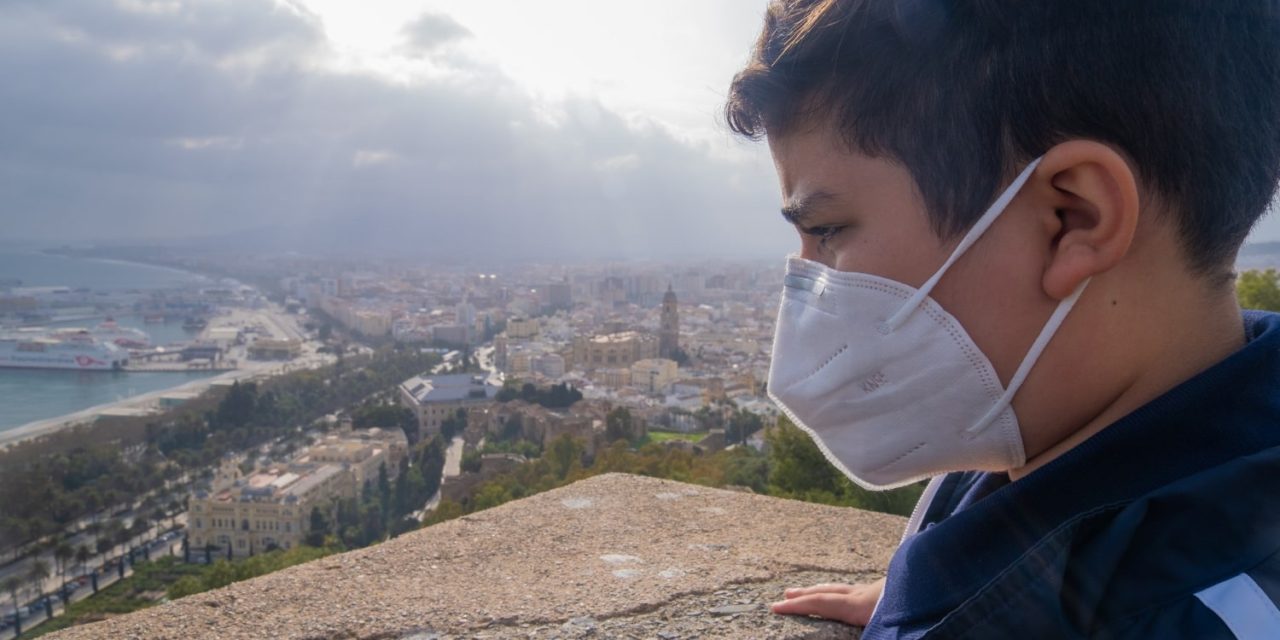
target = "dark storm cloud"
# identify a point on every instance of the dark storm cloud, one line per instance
(431, 31)
(166, 119)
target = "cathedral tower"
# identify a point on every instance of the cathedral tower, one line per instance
(669, 334)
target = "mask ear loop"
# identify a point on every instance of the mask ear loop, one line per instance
(980, 227)
(1029, 361)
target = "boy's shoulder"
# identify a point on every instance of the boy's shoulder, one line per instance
(1199, 557)
(1126, 530)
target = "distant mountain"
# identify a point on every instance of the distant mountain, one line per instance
(1260, 249)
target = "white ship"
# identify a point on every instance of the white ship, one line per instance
(77, 350)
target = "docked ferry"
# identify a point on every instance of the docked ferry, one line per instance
(64, 350)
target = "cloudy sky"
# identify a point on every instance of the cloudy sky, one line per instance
(435, 128)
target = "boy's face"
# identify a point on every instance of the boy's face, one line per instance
(1078, 217)
(858, 213)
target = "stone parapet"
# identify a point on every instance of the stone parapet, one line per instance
(614, 556)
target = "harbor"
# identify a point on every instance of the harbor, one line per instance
(231, 348)
(92, 346)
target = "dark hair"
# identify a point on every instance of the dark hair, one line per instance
(965, 92)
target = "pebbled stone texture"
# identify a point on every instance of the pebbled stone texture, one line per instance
(615, 556)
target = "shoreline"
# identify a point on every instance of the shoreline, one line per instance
(48, 426)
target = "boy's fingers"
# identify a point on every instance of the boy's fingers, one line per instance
(832, 606)
(818, 588)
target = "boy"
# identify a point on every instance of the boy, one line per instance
(1018, 224)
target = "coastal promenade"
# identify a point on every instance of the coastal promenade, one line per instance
(149, 401)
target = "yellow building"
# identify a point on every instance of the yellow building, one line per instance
(361, 452)
(654, 375)
(368, 322)
(614, 378)
(519, 361)
(266, 349)
(271, 508)
(522, 328)
(266, 510)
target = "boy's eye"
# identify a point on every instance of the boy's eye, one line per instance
(824, 233)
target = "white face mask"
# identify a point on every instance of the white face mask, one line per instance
(888, 384)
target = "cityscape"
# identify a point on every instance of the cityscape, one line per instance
(515, 359)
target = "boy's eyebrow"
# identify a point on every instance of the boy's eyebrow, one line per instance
(795, 211)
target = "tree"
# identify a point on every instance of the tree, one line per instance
(557, 396)
(797, 466)
(385, 415)
(319, 528)
(36, 575)
(1259, 290)
(431, 463)
(799, 470)
(471, 462)
(63, 554)
(742, 424)
(680, 356)
(490, 495)
(384, 492)
(82, 557)
(506, 394)
(409, 492)
(12, 585)
(453, 424)
(512, 428)
(619, 425)
(347, 526)
(373, 525)
(565, 455)
(445, 511)
(529, 392)
(237, 408)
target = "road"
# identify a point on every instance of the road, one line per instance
(453, 455)
(107, 576)
(484, 358)
(452, 469)
(22, 567)
(453, 459)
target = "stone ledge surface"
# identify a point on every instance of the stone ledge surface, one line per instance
(614, 556)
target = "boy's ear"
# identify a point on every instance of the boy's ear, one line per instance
(1091, 213)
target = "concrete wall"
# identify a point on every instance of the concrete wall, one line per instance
(614, 556)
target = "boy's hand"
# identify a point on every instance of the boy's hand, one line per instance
(847, 603)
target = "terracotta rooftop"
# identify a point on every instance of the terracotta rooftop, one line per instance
(615, 556)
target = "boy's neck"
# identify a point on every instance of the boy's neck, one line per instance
(1196, 333)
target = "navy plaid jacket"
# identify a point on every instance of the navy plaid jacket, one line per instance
(1164, 525)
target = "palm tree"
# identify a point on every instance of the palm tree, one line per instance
(13, 584)
(36, 575)
(83, 554)
(62, 554)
